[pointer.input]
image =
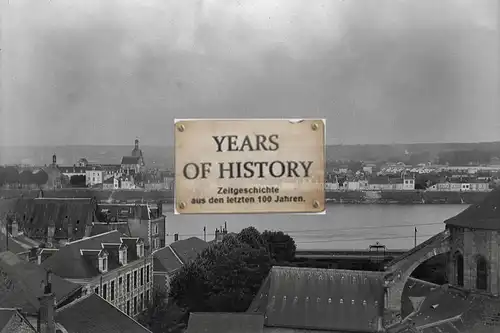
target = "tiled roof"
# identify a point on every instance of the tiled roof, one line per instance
(7, 315)
(130, 160)
(188, 249)
(164, 260)
(69, 262)
(225, 323)
(324, 299)
(17, 244)
(413, 293)
(101, 228)
(93, 314)
(173, 256)
(485, 215)
(20, 283)
(447, 310)
(38, 213)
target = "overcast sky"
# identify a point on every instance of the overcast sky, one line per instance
(384, 71)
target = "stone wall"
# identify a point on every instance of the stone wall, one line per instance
(475, 243)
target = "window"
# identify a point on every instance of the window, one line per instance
(135, 305)
(459, 269)
(142, 276)
(128, 308)
(135, 279)
(96, 290)
(147, 274)
(128, 283)
(146, 298)
(120, 281)
(112, 296)
(482, 274)
(105, 291)
(141, 300)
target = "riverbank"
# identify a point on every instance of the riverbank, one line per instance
(337, 197)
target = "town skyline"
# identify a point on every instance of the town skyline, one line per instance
(387, 72)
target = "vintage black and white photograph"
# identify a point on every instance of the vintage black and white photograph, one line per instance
(249, 166)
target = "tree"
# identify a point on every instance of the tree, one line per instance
(2, 175)
(40, 177)
(280, 245)
(225, 276)
(26, 178)
(161, 316)
(252, 237)
(11, 175)
(78, 181)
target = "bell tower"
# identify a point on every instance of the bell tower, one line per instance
(54, 160)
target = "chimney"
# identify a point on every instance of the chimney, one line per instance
(176, 237)
(14, 228)
(46, 313)
(219, 235)
(88, 230)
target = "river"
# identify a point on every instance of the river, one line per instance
(342, 227)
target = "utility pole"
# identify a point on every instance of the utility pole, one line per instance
(205, 233)
(415, 237)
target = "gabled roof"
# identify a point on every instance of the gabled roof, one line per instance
(63, 212)
(69, 262)
(323, 299)
(173, 256)
(189, 248)
(485, 215)
(110, 180)
(130, 160)
(20, 283)
(214, 322)
(93, 314)
(7, 316)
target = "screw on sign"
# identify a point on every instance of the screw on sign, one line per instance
(249, 166)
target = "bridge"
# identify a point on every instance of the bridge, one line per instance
(400, 269)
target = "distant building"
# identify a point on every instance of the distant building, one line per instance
(134, 163)
(112, 183)
(93, 175)
(142, 220)
(109, 265)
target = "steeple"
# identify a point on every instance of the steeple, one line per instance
(54, 159)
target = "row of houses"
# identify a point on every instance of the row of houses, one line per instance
(95, 258)
(372, 184)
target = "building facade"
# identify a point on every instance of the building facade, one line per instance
(475, 238)
(115, 267)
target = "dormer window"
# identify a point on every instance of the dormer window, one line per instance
(103, 261)
(140, 249)
(122, 254)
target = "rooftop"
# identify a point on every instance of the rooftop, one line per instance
(448, 310)
(20, 283)
(485, 215)
(93, 314)
(78, 259)
(225, 323)
(7, 315)
(173, 256)
(321, 299)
